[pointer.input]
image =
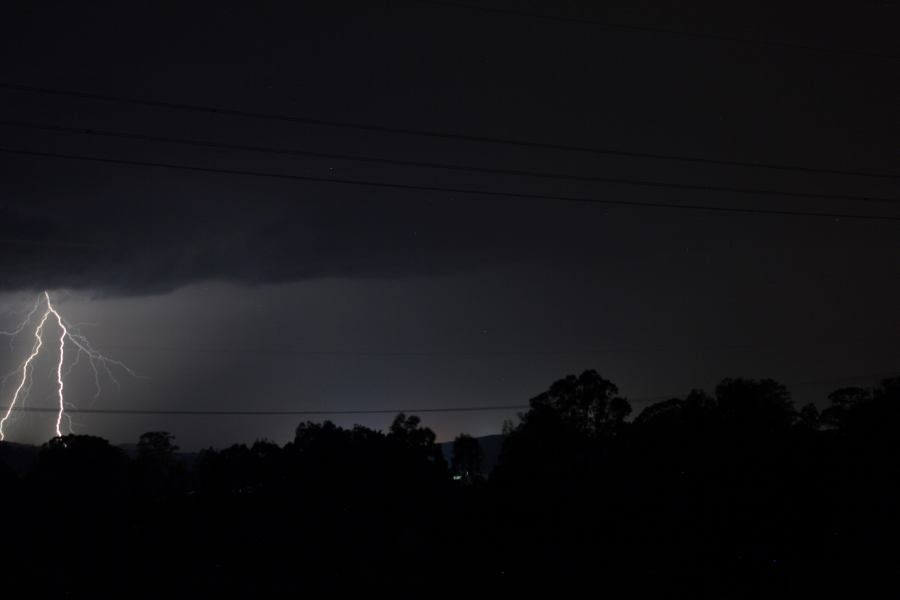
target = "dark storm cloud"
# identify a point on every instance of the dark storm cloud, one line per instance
(129, 230)
(140, 246)
(120, 238)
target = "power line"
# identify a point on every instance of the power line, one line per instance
(221, 413)
(436, 134)
(433, 165)
(464, 191)
(373, 411)
(660, 30)
(292, 351)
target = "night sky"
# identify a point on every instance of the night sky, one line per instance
(240, 292)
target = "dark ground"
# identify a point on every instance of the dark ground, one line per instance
(736, 495)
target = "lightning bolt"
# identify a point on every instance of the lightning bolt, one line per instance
(35, 350)
(62, 358)
(21, 326)
(67, 334)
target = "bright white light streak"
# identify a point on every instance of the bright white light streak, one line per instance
(21, 326)
(67, 333)
(35, 350)
(62, 358)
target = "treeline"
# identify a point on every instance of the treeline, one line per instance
(735, 494)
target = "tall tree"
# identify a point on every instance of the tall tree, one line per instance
(467, 457)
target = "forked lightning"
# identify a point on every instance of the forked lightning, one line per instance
(66, 334)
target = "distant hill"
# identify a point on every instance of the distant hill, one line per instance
(490, 451)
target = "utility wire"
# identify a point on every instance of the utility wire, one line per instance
(374, 411)
(464, 191)
(660, 30)
(290, 351)
(436, 134)
(430, 165)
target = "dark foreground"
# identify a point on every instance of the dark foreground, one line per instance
(735, 495)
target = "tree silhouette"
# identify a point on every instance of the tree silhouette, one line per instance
(156, 445)
(587, 402)
(809, 417)
(467, 457)
(705, 490)
(82, 467)
(407, 431)
(156, 471)
(842, 402)
(754, 405)
(566, 433)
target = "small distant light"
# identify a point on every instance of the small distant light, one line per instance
(457, 477)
